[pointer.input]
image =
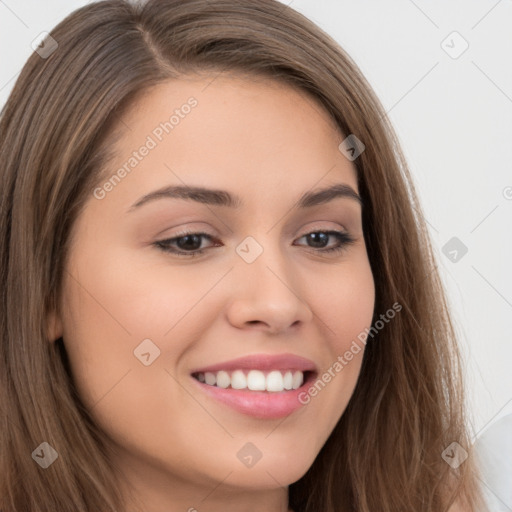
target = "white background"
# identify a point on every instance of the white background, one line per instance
(454, 120)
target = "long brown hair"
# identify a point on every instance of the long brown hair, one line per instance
(385, 453)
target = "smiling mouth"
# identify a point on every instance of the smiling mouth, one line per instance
(274, 381)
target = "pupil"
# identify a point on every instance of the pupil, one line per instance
(195, 239)
(316, 237)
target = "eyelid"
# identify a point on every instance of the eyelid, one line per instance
(320, 226)
(314, 227)
(344, 238)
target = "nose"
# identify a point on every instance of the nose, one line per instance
(267, 295)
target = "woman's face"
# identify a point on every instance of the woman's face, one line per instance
(144, 325)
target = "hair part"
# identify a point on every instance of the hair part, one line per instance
(56, 134)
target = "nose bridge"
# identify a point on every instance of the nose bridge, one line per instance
(264, 265)
(267, 288)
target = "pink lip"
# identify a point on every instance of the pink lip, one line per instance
(260, 404)
(264, 362)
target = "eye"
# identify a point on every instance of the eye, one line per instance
(189, 244)
(321, 238)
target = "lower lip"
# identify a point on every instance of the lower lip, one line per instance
(259, 404)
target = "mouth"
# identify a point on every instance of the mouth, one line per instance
(262, 386)
(274, 381)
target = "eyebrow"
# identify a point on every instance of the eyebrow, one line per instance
(217, 197)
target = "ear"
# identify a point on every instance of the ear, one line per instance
(54, 327)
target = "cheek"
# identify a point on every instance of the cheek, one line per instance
(108, 313)
(112, 304)
(346, 307)
(346, 310)
(130, 301)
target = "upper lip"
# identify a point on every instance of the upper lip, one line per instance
(265, 362)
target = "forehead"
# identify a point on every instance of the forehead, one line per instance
(243, 107)
(237, 132)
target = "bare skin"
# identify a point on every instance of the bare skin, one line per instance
(269, 144)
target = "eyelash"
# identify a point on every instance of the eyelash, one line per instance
(344, 239)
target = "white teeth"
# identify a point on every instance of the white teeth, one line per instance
(275, 381)
(223, 379)
(298, 379)
(287, 381)
(255, 380)
(210, 378)
(238, 380)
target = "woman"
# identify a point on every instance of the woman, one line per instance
(297, 356)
